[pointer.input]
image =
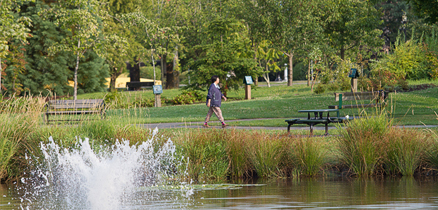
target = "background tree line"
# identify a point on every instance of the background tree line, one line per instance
(44, 44)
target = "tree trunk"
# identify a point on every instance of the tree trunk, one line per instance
(291, 72)
(163, 70)
(75, 79)
(0, 77)
(170, 77)
(266, 76)
(342, 51)
(308, 74)
(113, 81)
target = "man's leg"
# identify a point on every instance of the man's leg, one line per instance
(210, 112)
(218, 112)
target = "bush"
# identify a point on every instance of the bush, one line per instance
(148, 72)
(320, 88)
(403, 84)
(189, 97)
(332, 86)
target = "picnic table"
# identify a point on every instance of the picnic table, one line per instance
(321, 116)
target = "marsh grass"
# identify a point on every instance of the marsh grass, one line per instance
(405, 150)
(18, 119)
(204, 155)
(240, 162)
(361, 143)
(309, 155)
(267, 155)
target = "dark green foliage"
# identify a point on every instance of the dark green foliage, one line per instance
(189, 97)
(50, 74)
(229, 58)
(427, 9)
(320, 88)
(92, 73)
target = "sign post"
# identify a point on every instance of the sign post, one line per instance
(248, 82)
(158, 89)
(354, 74)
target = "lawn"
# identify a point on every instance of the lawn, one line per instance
(282, 102)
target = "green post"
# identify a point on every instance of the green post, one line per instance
(340, 101)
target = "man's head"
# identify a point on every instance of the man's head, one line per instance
(215, 79)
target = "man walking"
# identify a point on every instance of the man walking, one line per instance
(214, 99)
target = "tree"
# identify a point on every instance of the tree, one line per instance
(267, 56)
(294, 26)
(427, 9)
(227, 54)
(122, 42)
(12, 28)
(83, 19)
(350, 24)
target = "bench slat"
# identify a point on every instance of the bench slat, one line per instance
(354, 106)
(72, 112)
(350, 96)
(76, 106)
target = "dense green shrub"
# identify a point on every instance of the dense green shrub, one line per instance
(320, 88)
(189, 97)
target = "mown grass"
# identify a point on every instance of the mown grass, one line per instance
(411, 108)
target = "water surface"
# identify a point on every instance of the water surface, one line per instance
(311, 193)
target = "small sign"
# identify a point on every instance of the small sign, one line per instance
(158, 89)
(248, 80)
(353, 73)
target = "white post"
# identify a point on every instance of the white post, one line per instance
(285, 73)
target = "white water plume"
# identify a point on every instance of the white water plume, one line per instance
(103, 177)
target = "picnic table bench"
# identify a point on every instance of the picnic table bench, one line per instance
(376, 97)
(318, 118)
(74, 107)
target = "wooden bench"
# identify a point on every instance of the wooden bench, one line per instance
(378, 97)
(75, 107)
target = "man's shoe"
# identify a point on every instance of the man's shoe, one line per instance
(224, 125)
(206, 126)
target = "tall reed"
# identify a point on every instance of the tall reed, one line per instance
(19, 118)
(405, 150)
(360, 143)
(309, 155)
(238, 154)
(267, 155)
(204, 154)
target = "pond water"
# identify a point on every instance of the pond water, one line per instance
(309, 193)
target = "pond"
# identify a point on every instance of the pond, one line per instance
(308, 193)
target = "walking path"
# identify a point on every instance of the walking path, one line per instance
(199, 125)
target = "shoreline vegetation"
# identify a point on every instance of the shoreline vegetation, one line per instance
(369, 146)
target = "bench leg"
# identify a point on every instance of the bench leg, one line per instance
(311, 129)
(288, 129)
(326, 130)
